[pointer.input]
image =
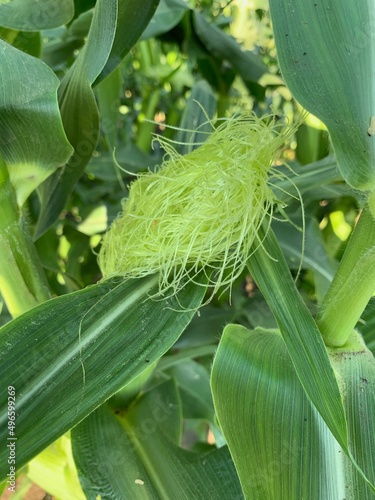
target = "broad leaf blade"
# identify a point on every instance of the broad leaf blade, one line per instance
(279, 443)
(34, 15)
(32, 139)
(136, 455)
(281, 446)
(70, 354)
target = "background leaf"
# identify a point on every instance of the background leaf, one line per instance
(133, 17)
(33, 15)
(145, 459)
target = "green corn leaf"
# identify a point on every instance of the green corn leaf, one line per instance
(136, 454)
(33, 143)
(249, 66)
(70, 354)
(280, 444)
(303, 340)
(34, 15)
(168, 14)
(200, 106)
(115, 28)
(79, 111)
(326, 55)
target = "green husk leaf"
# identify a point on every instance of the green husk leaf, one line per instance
(79, 112)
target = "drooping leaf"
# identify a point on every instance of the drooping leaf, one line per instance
(34, 15)
(79, 112)
(115, 28)
(32, 139)
(70, 354)
(137, 454)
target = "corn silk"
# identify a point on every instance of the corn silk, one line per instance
(201, 210)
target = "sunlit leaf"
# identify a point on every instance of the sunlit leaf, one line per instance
(32, 139)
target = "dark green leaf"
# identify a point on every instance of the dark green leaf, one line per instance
(249, 66)
(79, 112)
(133, 17)
(70, 354)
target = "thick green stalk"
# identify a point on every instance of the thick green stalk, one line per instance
(22, 281)
(352, 286)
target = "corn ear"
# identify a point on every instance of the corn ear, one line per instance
(327, 58)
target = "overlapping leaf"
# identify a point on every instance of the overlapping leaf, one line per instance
(34, 15)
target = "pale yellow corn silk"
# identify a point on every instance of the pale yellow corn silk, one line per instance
(201, 210)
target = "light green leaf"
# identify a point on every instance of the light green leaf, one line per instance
(35, 15)
(137, 454)
(70, 354)
(79, 111)
(326, 55)
(32, 139)
(280, 445)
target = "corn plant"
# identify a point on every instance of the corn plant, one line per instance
(217, 339)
